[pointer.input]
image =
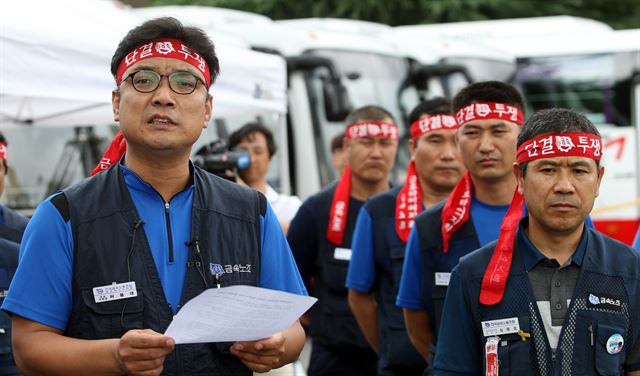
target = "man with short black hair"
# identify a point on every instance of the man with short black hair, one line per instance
(382, 229)
(320, 238)
(551, 296)
(488, 115)
(151, 223)
(258, 141)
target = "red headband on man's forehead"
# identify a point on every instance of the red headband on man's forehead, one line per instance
(572, 144)
(363, 129)
(490, 110)
(167, 48)
(432, 123)
(340, 202)
(568, 144)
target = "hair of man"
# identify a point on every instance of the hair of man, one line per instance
(168, 27)
(248, 130)
(370, 113)
(555, 120)
(336, 142)
(488, 91)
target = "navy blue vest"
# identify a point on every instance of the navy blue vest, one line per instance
(8, 263)
(396, 351)
(12, 226)
(109, 241)
(332, 322)
(461, 243)
(609, 269)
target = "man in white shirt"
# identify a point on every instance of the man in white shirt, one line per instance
(258, 140)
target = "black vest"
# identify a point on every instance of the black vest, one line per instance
(332, 322)
(8, 264)
(461, 243)
(609, 268)
(108, 241)
(397, 353)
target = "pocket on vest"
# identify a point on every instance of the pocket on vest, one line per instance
(110, 319)
(514, 354)
(610, 353)
(335, 275)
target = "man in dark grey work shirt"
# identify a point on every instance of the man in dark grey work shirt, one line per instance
(551, 296)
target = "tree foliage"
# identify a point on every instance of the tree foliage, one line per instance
(620, 14)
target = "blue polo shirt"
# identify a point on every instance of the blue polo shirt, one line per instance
(41, 288)
(636, 243)
(458, 352)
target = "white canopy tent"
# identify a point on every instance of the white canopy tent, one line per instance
(55, 58)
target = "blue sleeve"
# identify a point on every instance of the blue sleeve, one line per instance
(410, 291)
(636, 243)
(41, 288)
(458, 352)
(278, 269)
(303, 240)
(362, 271)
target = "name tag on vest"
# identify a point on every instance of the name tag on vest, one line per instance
(342, 254)
(442, 279)
(115, 291)
(501, 326)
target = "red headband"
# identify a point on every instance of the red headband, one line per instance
(432, 123)
(167, 48)
(340, 203)
(561, 145)
(3, 151)
(372, 129)
(490, 110)
(546, 146)
(409, 200)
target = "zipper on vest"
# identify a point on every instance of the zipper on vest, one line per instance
(166, 213)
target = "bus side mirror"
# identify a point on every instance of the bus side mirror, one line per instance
(336, 99)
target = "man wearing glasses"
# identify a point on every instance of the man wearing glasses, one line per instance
(153, 225)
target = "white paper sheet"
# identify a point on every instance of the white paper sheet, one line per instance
(236, 313)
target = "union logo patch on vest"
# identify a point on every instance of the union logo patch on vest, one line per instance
(604, 301)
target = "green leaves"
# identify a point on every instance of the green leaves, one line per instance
(617, 13)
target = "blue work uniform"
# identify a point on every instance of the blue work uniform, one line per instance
(600, 333)
(339, 347)
(376, 267)
(116, 227)
(427, 268)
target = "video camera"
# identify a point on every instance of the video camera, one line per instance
(218, 160)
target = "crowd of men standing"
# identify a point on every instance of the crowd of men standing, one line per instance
(483, 262)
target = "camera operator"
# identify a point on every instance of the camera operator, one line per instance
(258, 140)
(216, 159)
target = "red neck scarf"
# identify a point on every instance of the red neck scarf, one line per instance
(167, 48)
(572, 144)
(456, 210)
(409, 200)
(340, 203)
(114, 152)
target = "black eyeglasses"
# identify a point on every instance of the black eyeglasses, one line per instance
(146, 81)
